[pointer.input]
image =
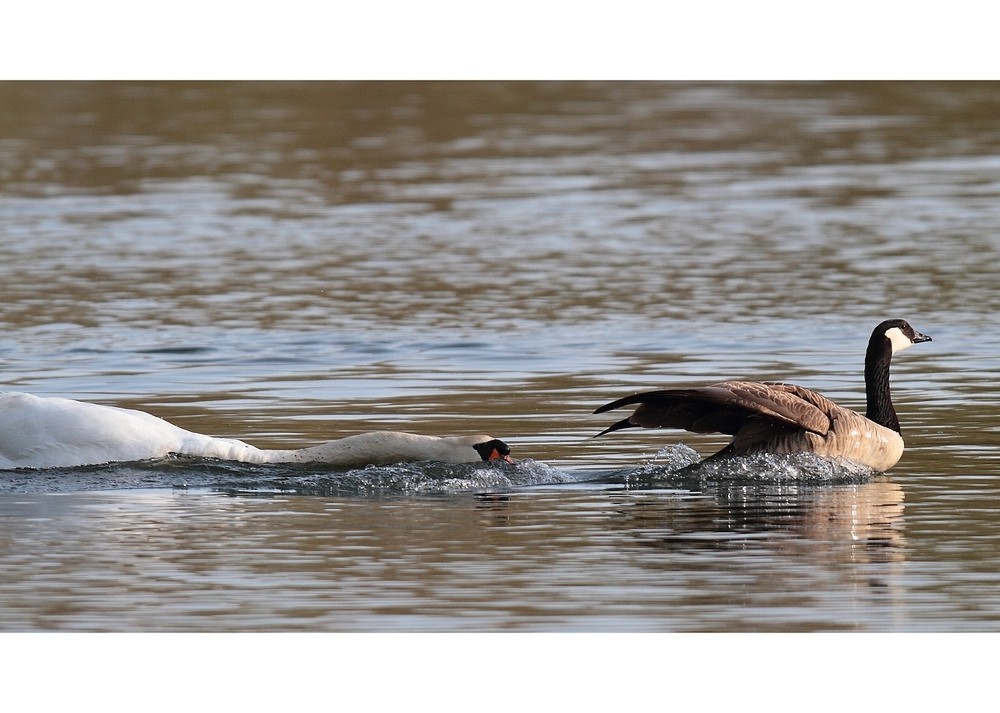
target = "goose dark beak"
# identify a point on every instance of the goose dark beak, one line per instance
(918, 337)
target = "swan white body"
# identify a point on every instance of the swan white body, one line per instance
(53, 432)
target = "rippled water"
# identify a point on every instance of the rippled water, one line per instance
(292, 263)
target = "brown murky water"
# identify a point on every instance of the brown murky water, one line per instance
(292, 263)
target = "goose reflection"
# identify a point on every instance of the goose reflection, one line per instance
(866, 516)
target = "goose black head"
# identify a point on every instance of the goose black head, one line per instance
(899, 333)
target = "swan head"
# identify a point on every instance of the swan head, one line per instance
(490, 448)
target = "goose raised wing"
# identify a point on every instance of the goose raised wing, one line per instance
(773, 417)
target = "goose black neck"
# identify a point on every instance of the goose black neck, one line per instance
(877, 360)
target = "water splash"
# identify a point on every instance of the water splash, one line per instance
(242, 478)
(680, 463)
(405, 479)
(781, 467)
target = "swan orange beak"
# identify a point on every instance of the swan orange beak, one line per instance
(497, 455)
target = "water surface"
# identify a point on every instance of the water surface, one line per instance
(290, 263)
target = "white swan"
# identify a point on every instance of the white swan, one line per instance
(53, 432)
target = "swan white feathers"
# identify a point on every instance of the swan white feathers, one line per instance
(54, 432)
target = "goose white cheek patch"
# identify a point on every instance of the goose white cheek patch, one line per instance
(899, 340)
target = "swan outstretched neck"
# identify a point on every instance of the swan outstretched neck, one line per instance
(53, 432)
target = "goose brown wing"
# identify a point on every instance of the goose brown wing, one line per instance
(723, 407)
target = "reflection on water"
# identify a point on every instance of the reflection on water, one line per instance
(865, 516)
(291, 263)
(524, 560)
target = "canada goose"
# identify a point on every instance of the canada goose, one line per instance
(771, 417)
(52, 432)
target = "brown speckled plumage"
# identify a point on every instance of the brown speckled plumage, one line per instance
(772, 417)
